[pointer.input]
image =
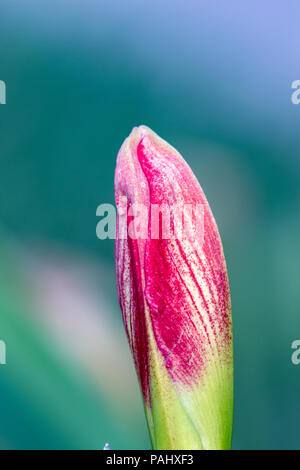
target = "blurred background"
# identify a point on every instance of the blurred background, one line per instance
(213, 79)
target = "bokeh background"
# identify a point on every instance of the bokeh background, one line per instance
(212, 78)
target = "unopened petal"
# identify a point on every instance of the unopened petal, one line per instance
(174, 296)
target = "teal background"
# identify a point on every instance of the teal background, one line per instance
(213, 79)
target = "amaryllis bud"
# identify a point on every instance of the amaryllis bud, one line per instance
(174, 295)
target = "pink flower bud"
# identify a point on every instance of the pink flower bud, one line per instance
(174, 296)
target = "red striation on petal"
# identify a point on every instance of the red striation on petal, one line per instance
(186, 320)
(135, 323)
(183, 286)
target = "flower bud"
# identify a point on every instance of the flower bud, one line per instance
(174, 296)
